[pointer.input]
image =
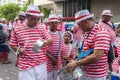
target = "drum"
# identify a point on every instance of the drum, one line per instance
(64, 75)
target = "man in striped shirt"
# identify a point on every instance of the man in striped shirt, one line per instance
(55, 49)
(32, 66)
(94, 65)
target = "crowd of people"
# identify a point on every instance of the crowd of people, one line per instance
(62, 47)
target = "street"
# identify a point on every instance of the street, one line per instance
(9, 71)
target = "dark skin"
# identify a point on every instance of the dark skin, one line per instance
(21, 17)
(106, 18)
(53, 26)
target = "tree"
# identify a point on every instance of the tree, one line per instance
(30, 1)
(9, 11)
(45, 11)
(24, 8)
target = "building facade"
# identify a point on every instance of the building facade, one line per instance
(68, 8)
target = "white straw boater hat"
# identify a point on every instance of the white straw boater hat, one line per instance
(34, 10)
(45, 20)
(107, 13)
(53, 18)
(21, 14)
(60, 17)
(83, 15)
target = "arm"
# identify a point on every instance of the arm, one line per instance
(47, 42)
(20, 50)
(101, 45)
(95, 56)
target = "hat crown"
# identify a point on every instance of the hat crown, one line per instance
(22, 13)
(107, 12)
(60, 16)
(33, 8)
(82, 13)
(53, 16)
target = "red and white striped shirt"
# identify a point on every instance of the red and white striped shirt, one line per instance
(26, 37)
(53, 49)
(77, 33)
(61, 27)
(97, 39)
(109, 29)
(118, 49)
(18, 23)
(69, 50)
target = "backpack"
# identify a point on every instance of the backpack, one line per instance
(2, 37)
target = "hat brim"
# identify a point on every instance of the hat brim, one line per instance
(52, 20)
(107, 15)
(39, 15)
(87, 17)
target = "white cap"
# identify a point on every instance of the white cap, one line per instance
(60, 17)
(3, 19)
(34, 10)
(83, 15)
(107, 13)
(53, 18)
(22, 14)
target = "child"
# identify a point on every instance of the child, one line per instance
(3, 45)
(68, 47)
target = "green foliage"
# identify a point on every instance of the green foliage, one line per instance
(9, 11)
(24, 8)
(45, 11)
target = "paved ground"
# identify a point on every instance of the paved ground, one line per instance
(9, 71)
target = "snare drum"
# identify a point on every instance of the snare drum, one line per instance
(64, 75)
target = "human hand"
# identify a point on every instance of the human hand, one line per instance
(21, 51)
(72, 65)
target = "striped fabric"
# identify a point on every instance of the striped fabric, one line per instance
(61, 27)
(118, 49)
(77, 33)
(109, 29)
(53, 49)
(67, 49)
(26, 37)
(97, 39)
(18, 23)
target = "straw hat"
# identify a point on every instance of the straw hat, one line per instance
(83, 15)
(34, 10)
(53, 18)
(107, 13)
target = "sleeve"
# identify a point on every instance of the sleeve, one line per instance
(46, 34)
(13, 41)
(102, 40)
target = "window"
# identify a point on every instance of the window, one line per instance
(70, 7)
